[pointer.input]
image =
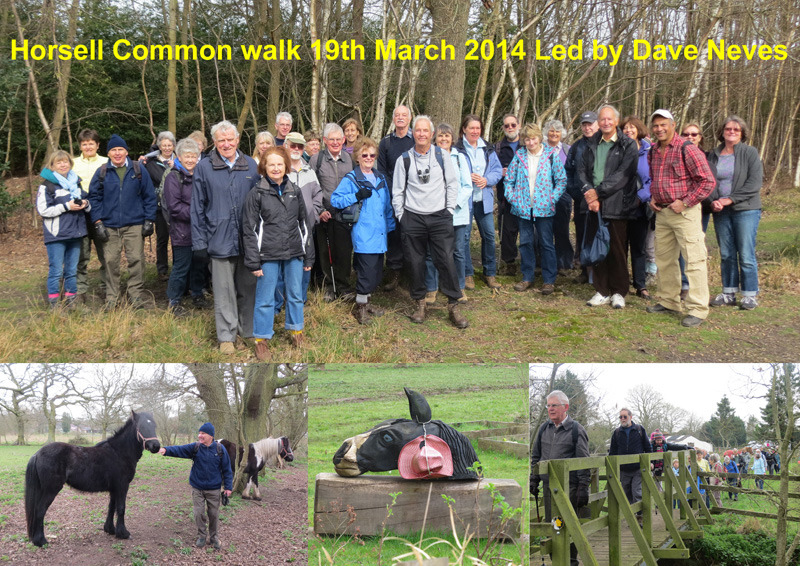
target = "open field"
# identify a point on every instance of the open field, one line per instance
(159, 516)
(346, 400)
(504, 327)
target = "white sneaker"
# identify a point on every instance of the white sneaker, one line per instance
(617, 301)
(598, 300)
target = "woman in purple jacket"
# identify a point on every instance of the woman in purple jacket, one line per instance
(177, 208)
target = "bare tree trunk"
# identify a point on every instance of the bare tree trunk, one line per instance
(172, 69)
(274, 104)
(445, 89)
(358, 64)
(315, 67)
(63, 71)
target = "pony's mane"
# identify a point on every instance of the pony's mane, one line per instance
(463, 453)
(268, 447)
(121, 431)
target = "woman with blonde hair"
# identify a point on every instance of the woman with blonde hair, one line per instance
(264, 141)
(62, 204)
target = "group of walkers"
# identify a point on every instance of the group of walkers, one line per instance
(405, 203)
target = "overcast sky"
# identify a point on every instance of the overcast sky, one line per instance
(696, 388)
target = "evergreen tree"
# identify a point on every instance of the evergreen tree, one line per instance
(725, 429)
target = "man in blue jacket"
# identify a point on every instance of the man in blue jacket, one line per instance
(210, 470)
(221, 183)
(123, 213)
(630, 438)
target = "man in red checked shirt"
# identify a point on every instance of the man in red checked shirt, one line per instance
(681, 179)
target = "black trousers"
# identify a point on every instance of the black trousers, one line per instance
(610, 276)
(162, 243)
(435, 230)
(369, 272)
(335, 251)
(394, 251)
(637, 239)
(509, 230)
(564, 252)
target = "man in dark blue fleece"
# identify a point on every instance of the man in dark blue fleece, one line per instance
(630, 438)
(211, 468)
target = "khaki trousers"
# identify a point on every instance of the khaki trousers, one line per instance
(675, 235)
(202, 499)
(130, 239)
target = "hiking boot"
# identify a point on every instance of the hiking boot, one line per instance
(463, 298)
(418, 317)
(691, 321)
(469, 283)
(177, 310)
(70, 302)
(328, 295)
(510, 269)
(53, 304)
(227, 348)
(201, 542)
(215, 543)
(723, 300)
(430, 297)
(361, 314)
(659, 308)
(582, 279)
(200, 302)
(617, 301)
(458, 319)
(392, 281)
(347, 294)
(748, 303)
(262, 350)
(598, 300)
(523, 286)
(491, 282)
(297, 338)
(375, 311)
(548, 289)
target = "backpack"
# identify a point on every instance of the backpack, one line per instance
(160, 195)
(437, 152)
(219, 453)
(137, 169)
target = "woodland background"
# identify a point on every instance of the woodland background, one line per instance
(43, 104)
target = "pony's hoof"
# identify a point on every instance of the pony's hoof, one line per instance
(39, 541)
(123, 534)
(257, 498)
(109, 529)
(245, 496)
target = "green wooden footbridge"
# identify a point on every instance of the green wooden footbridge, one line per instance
(672, 515)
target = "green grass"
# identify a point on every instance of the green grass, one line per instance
(505, 327)
(347, 400)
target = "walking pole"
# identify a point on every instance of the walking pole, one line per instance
(330, 258)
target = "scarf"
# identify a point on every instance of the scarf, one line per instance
(70, 183)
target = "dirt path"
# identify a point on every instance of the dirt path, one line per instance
(159, 517)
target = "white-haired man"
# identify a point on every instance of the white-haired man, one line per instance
(221, 183)
(561, 437)
(424, 198)
(283, 125)
(334, 242)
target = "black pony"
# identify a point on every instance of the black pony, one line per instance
(378, 449)
(108, 466)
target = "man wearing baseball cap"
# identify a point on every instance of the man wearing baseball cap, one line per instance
(589, 127)
(123, 212)
(681, 179)
(211, 468)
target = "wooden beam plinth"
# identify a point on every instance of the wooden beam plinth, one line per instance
(360, 505)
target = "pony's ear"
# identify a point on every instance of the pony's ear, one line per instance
(133, 414)
(418, 406)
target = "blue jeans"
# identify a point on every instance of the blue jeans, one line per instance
(280, 289)
(485, 224)
(184, 270)
(736, 236)
(460, 255)
(264, 313)
(63, 256)
(540, 229)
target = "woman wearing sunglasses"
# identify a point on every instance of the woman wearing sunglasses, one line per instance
(366, 186)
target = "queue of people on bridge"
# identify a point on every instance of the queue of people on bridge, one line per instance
(256, 231)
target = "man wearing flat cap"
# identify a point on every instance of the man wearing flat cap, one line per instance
(211, 469)
(123, 213)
